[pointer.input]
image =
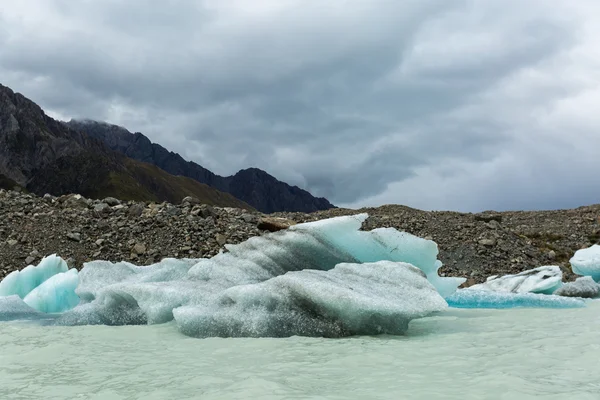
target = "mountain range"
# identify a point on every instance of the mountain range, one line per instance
(43, 155)
(253, 186)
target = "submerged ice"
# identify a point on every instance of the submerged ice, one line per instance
(325, 278)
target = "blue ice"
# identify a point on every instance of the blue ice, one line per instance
(470, 298)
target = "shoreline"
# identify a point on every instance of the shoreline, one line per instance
(474, 246)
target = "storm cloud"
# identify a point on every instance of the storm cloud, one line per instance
(437, 104)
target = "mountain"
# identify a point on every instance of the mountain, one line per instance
(43, 155)
(254, 186)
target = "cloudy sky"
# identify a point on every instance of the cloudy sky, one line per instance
(438, 104)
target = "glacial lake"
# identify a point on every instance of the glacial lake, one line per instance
(459, 354)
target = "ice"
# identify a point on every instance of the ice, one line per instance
(13, 308)
(584, 287)
(291, 263)
(543, 280)
(469, 298)
(586, 262)
(351, 299)
(22, 282)
(56, 294)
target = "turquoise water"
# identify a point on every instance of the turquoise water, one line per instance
(461, 354)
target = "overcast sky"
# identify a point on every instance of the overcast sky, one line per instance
(437, 104)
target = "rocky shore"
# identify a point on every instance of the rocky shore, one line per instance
(471, 245)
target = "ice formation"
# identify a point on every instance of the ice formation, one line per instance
(322, 278)
(469, 298)
(544, 280)
(584, 287)
(13, 308)
(22, 282)
(586, 262)
(56, 294)
(350, 299)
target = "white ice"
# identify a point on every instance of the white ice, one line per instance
(586, 262)
(350, 299)
(544, 280)
(22, 282)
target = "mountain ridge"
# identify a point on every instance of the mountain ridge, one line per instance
(43, 155)
(251, 185)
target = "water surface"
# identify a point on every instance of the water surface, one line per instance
(461, 354)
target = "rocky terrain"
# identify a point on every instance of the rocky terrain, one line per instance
(253, 186)
(471, 245)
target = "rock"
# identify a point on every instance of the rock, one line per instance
(34, 253)
(584, 287)
(74, 236)
(111, 201)
(207, 211)
(12, 242)
(273, 224)
(139, 249)
(487, 217)
(221, 239)
(189, 200)
(249, 218)
(29, 260)
(493, 224)
(136, 210)
(487, 242)
(551, 255)
(102, 208)
(100, 242)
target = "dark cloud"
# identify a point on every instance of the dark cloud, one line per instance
(418, 102)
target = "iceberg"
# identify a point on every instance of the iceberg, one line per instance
(586, 262)
(285, 283)
(22, 282)
(469, 298)
(544, 280)
(584, 287)
(350, 299)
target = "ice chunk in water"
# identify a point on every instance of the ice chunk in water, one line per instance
(468, 298)
(13, 308)
(350, 299)
(584, 287)
(319, 278)
(22, 282)
(543, 280)
(56, 294)
(586, 262)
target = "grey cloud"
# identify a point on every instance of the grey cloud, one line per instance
(348, 99)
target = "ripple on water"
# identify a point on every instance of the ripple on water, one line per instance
(461, 354)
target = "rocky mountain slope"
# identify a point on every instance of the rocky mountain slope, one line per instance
(45, 156)
(471, 245)
(254, 186)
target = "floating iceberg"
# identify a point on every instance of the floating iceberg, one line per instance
(350, 299)
(22, 282)
(584, 287)
(293, 282)
(469, 298)
(586, 262)
(544, 280)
